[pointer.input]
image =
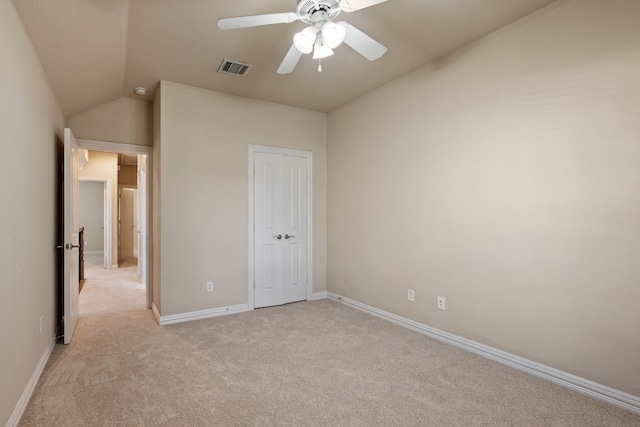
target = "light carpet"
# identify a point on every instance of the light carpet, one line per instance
(306, 364)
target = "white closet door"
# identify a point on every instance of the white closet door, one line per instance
(280, 235)
(294, 228)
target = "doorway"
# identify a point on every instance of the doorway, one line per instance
(137, 217)
(95, 217)
(280, 226)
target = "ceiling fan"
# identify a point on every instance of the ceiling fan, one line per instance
(321, 36)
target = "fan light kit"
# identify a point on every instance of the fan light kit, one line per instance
(321, 36)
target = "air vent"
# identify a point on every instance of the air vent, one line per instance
(234, 67)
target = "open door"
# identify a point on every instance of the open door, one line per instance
(127, 222)
(71, 243)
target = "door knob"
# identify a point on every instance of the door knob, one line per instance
(286, 236)
(278, 236)
(69, 246)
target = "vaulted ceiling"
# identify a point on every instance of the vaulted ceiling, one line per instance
(96, 51)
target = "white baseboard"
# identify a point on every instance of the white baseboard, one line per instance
(318, 295)
(214, 312)
(16, 415)
(197, 315)
(578, 384)
(156, 312)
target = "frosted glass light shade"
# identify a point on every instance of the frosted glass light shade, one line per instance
(333, 34)
(305, 39)
(320, 49)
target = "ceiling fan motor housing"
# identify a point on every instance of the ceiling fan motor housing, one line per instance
(307, 8)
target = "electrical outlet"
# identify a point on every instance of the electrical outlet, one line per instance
(41, 323)
(209, 286)
(411, 294)
(441, 303)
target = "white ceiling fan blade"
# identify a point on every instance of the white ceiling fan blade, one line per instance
(256, 20)
(362, 43)
(290, 60)
(353, 5)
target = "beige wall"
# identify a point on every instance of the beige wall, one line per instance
(125, 120)
(30, 118)
(204, 190)
(105, 165)
(504, 177)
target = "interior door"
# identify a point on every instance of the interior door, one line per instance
(71, 226)
(127, 222)
(294, 226)
(280, 234)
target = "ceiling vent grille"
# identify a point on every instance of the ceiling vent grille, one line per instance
(234, 67)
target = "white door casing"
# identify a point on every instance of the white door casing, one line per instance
(106, 223)
(71, 236)
(280, 267)
(142, 217)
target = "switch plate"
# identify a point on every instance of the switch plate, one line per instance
(441, 303)
(209, 286)
(411, 294)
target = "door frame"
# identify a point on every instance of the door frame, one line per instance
(106, 215)
(253, 149)
(117, 147)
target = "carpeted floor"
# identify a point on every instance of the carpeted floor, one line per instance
(305, 364)
(110, 291)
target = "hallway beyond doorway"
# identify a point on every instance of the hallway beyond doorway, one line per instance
(111, 290)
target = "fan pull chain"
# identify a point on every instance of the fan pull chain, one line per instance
(319, 65)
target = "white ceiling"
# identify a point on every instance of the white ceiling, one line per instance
(95, 51)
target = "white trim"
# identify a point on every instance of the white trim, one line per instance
(106, 216)
(318, 295)
(288, 152)
(18, 410)
(117, 147)
(198, 315)
(113, 147)
(156, 312)
(570, 381)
